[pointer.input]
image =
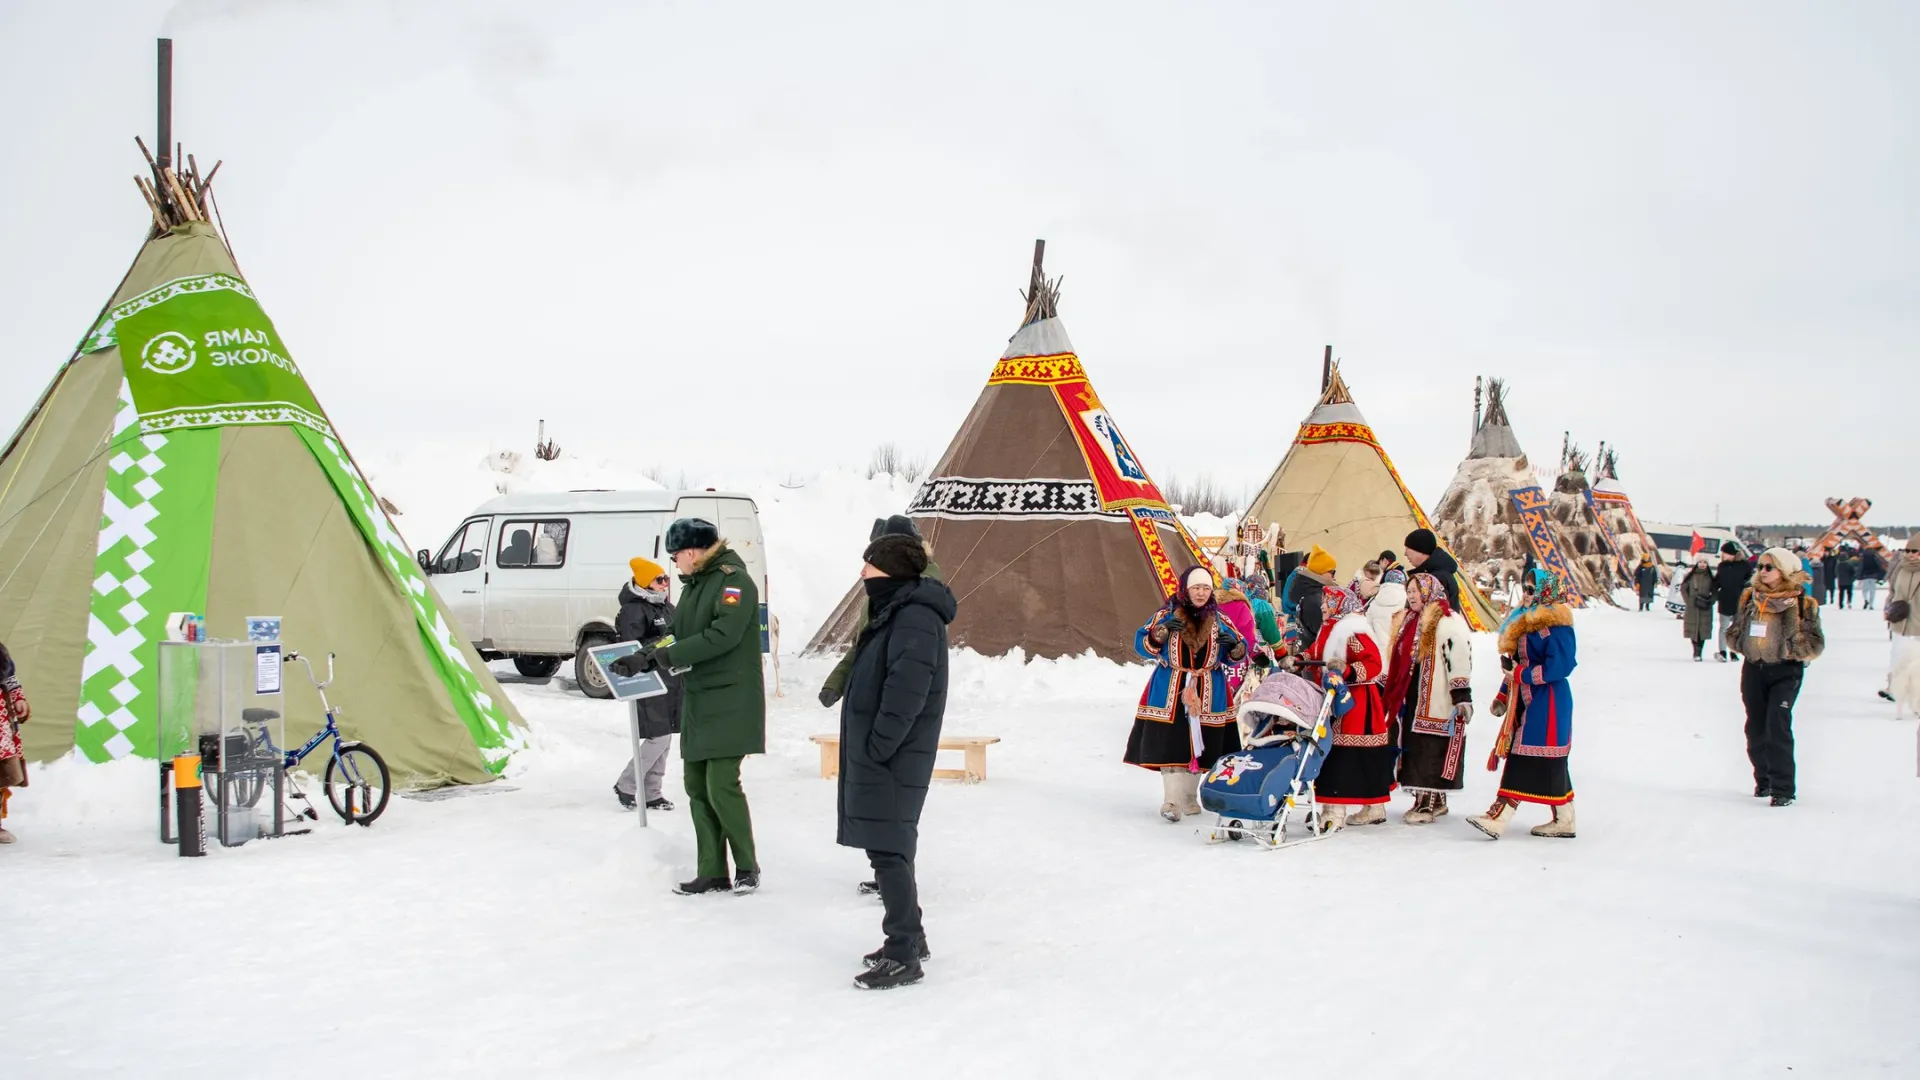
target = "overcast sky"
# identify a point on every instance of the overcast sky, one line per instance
(784, 233)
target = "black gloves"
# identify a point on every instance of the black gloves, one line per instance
(1506, 662)
(828, 696)
(634, 663)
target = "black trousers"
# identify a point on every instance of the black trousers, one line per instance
(1769, 691)
(1846, 593)
(901, 894)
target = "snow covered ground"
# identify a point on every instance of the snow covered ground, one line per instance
(527, 927)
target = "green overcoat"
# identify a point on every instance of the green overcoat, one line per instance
(716, 635)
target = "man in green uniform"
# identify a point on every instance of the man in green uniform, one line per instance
(724, 715)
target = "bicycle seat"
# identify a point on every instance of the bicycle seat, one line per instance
(259, 716)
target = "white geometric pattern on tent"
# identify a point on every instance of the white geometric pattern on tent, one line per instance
(113, 625)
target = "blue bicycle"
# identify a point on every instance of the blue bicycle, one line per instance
(356, 781)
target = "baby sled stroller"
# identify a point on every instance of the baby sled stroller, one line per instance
(1256, 793)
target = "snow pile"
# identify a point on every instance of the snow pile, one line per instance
(528, 926)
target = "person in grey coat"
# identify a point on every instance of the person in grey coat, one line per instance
(896, 695)
(1697, 589)
(646, 616)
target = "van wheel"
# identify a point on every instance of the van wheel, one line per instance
(584, 670)
(536, 667)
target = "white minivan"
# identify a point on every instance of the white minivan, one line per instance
(536, 578)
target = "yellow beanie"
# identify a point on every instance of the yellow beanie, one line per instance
(1319, 560)
(645, 570)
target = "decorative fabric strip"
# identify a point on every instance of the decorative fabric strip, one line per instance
(1532, 504)
(242, 414)
(1606, 530)
(1146, 529)
(1525, 750)
(103, 336)
(1369, 741)
(963, 498)
(1037, 370)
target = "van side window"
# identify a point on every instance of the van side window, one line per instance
(464, 551)
(536, 545)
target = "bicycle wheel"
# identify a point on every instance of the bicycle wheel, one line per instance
(357, 773)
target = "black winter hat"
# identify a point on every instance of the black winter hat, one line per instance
(897, 556)
(897, 525)
(1423, 541)
(688, 533)
(1729, 548)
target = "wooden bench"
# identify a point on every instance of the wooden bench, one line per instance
(974, 745)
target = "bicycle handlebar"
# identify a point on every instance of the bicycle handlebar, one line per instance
(308, 664)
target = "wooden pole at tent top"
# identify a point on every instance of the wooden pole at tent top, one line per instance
(1476, 404)
(164, 100)
(1039, 256)
(1326, 369)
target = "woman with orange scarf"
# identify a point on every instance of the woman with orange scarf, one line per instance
(1776, 628)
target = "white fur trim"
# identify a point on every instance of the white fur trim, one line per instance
(1904, 681)
(1350, 626)
(1388, 602)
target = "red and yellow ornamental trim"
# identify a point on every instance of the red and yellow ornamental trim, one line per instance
(1148, 531)
(1347, 431)
(1038, 370)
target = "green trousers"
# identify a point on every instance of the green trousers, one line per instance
(720, 818)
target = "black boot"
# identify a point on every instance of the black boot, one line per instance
(1761, 791)
(626, 800)
(1782, 800)
(888, 974)
(1699, 652)
(872, 959)
(746, 881)
(702, 885)
(662, 803)
(869, 888)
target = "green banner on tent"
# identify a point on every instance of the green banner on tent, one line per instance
(199, 352)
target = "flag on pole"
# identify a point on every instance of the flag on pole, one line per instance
(1699, 544)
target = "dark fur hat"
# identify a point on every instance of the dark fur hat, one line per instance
(688, 533)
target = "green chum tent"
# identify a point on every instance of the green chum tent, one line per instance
(179, 462)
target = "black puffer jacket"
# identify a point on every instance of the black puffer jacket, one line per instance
(647, 621)
(890, 719)
(1442, 565)
(1729, 581)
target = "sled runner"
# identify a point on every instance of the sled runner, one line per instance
(1257, 792)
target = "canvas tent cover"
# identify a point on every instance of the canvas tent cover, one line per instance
(1337, 488)
(179, 462)
(1041, 517)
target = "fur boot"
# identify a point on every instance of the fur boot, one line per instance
(1333, 817)
(1190, 792)
(1495, 820)
(1562, 823)
(1437, 804)
(1422, 811)
(1370, 814)
(1170, 794)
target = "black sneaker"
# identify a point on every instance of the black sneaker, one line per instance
(888, 974)
(745, 882)
(1761, 791)
(869, 888)
(1886, 696)
(701, 885)
(656, 804)
(1783, 800)
(626, 800)
(872, 959)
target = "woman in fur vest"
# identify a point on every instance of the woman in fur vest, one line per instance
(1357, 780)
(1430, 688)
(1185, 721)
(14, 711)
(1777, 628)
(1537, 649)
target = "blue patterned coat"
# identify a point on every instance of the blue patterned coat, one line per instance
(1543, 659)
(1170, 677)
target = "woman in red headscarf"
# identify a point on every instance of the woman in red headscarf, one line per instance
(1429, 689)
(1359, 768)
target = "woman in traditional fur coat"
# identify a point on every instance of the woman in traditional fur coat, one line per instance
(1697, 591)
(1186, 721)
(1358, 771)
(1777, 628)
(1538, 642)
(1430, 689)
(14, 711)
(1384, 590)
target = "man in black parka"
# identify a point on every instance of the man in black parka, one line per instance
(1730, 580)
(896, 694)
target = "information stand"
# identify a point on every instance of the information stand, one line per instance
(221, 705)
